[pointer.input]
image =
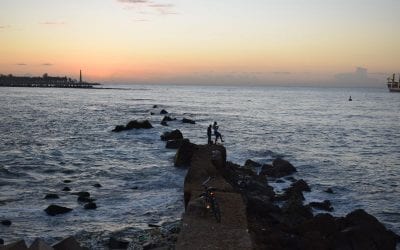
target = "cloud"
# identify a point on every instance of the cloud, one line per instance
(52, 23)
(47, 64)
(5, 26)
(133, 1)
(21, 64)
(281, 73)
(151, 6)
(357, 78)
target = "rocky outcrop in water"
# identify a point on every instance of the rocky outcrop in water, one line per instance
(175, 144)
(134, 124)
(279, 168)
(172, 135)
(55, 209)
(184, 154)
(190, 121)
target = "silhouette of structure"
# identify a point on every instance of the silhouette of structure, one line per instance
(45, 81)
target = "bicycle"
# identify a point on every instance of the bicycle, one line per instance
(210, 200)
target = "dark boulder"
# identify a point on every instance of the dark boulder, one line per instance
(19, 245)
(40, 244)
(168, 119)
(163, 112)
(66, 189)
(155, 106)
(175, 144)
(185, 120)
(301, 185)
(81, 194)
(55, 209)
(85, 199)
(67, 181)
(97, 185)
(119, 128)
(164, 123)
(152, 113)
(325, 205)
(251, 164)
(1, 241)
(360, 230)
(6, 223)
(135, 124)
(118, 243)
(90, 205)
(51, 196)
(173, 135)
(184, 154)
(279, 168)
(329, 191)
(69, 243)
(325, 224)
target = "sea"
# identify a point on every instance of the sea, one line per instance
(54, 138)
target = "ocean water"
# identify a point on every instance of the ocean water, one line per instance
(51, 135)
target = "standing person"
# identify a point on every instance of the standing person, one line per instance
(216, 133)
(209, 135)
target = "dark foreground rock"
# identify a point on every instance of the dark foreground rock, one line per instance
(190, 121)
(6, 223)
(184, 154)
(40, 244)
(175, 144)
(172, 135)
(55, 209)
(163, 112)
(68, 244)
(134, 124)
(19, 245)
(90, 205)
(325, 205)
(279, 168)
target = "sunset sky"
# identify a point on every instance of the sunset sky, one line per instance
(202, 41)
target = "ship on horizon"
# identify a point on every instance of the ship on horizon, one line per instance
(392, 84)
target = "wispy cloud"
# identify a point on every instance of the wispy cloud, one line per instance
(282, 73)
(21, 64)
(52, 23)
(151, 6)
(5, 26)
(47, 64)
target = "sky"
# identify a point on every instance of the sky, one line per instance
(312, 42)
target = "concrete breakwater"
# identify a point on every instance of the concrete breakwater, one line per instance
(250, 216)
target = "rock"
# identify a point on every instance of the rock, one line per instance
(291, 179)
(322, 223)
(261, 206)
(1, 241)
(185, 120)
(69, 243)
(51, 196)
(6, 223)
(85, 199)
(97, 185)
(325, 205)
(67, 181)
(172, 135)
(90, 205)
(119, 128)
(280, 181)
(152, 113)
(251, 164)
(168, 119)
(295, 213)
(175, 144)
(19, 245)
(145, 124)
(81, 194)
(279, 168)
(360, 230)
(155, 106)
(118, 243)
(153, 225)
(164, 123)
(301, 186)
(184, 154)
(163, 112)
(329, 191)
(40, 244)
(66, 189)
(55, 209)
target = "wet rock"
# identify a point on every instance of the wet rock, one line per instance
(97, 185)
(163, 112)
(295, 213)
(329, 191)
(69, 243)
(55, 209)
(90, 205)
(153, 225)
(66, 189)
(40, 244)
(85, 199)
(325, 224)
(360, 230)
(252, 164)
(1, 241)
(279, 168)
(119, 128)
(280, 181)
(184, 154)
(118, 243)
(51, 196)
(291, 179)
(186, 120)
(175, 144)
(168, 119)
(19, 245)
(301, 185)
(145, 124)
(325, 205)
(164, 123)
(81, 194)
(152, 113)
(67, 181)
(155, 106)
(172, 135)
(6, 223)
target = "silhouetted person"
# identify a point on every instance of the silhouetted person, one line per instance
(209, 135)
(216, 133)
(350, 99)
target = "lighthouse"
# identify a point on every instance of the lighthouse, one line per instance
(80, 76)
